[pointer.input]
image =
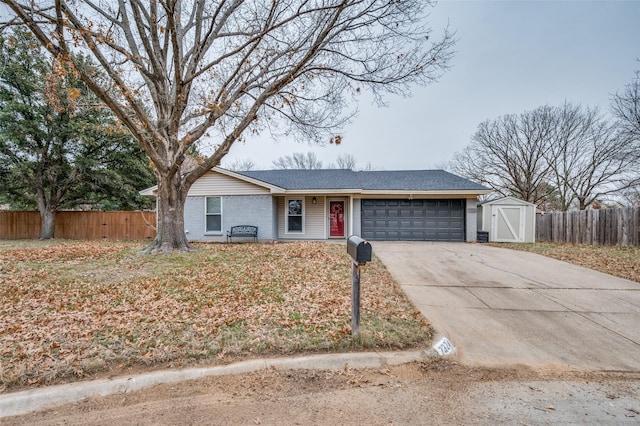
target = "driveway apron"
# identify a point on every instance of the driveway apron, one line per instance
(506, 307)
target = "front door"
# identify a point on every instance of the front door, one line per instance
(336, 219)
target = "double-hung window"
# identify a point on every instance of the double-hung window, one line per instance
(294, 215)
(214, 215)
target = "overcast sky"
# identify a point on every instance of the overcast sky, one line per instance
(512, 56)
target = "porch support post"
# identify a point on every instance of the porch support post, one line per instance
(350, 216)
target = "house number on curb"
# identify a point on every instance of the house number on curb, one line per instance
(443, 347)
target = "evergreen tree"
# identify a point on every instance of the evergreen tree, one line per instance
(60, 147)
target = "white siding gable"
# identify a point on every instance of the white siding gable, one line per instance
(214, 183)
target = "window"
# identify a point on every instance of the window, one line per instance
(214, 214)
(294, 216)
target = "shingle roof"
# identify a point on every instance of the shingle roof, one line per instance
(399, 180)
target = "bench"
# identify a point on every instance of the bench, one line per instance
(243, 231)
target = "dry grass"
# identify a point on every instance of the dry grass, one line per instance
(623, 262)
(73, 309)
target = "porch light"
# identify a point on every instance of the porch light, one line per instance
(314, 200)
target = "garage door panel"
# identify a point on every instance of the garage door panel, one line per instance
(431, 236)
(417, 220)
(457, 224)
(404, 235)
(457, 236)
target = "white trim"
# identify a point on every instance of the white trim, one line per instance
(311, 192)
(286, 216)
(351, 216)
(453, 193)
(510, 198)
(206, 232)
(325, 231)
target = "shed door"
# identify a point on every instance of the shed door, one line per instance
(417, 220)
(508, 224)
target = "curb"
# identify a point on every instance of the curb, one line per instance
(14, 404)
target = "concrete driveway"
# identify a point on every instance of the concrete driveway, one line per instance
(505, 307)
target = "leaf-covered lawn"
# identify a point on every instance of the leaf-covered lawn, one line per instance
(623, 262)
(72, 309)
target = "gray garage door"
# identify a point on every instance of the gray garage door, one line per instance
(413, 220)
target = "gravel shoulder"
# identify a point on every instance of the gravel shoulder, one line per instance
(439, 391)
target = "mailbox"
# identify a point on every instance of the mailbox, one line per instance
(358, 249)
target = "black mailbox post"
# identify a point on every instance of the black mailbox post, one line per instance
(360, 252)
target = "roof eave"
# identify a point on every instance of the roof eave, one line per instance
(149, 192)
(322, 191)
(471, 192)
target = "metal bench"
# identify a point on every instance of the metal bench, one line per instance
(246, 231)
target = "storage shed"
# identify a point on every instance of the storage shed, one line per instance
(508, 220)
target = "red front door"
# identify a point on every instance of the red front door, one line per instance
(336, 218)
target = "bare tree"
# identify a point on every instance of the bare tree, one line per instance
(589, 157)
(349, 162)
(564, 157)
(298, 160)
(204, 72)
(346, 161)
(242, 165)
(626, 107)
(509, 154)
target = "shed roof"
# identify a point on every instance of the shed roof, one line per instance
(508, 200)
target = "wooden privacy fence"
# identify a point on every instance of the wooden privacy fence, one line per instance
(619, 226)
(81, 225)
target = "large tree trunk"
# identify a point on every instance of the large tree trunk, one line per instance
(583, 203)
(170, 236)
(47, 222)
(47, 214)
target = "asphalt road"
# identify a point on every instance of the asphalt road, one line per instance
(503, 307)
